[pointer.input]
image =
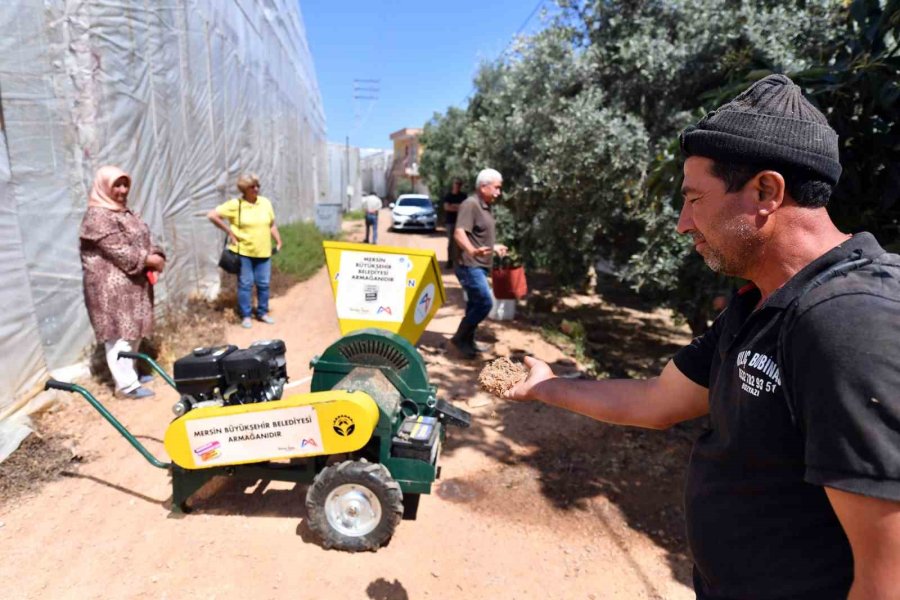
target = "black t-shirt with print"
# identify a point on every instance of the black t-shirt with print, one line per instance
(759, 522)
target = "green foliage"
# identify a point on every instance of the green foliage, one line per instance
(512, 260)
(301, 252)
(858, 88)
(446, 156)
(582, 121)
(569, 335)
(354, 215)
(405, 186)
(854, 77)
(847, 63)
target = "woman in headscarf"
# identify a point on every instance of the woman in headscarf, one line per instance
(250, 228)
(120, 265)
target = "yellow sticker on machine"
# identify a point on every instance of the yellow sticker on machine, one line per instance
(330, 422)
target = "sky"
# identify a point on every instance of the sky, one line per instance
(424, 53)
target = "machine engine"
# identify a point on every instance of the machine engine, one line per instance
(228, 375)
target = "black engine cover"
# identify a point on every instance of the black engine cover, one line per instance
(260, 362)
(199, 372)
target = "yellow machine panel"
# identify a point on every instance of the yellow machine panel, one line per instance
(388, 287)
(301, 425)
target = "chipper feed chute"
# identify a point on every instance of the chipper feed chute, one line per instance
(395, 289)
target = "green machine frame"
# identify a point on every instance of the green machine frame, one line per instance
(348, 364)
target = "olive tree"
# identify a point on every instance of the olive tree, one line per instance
(582, 119)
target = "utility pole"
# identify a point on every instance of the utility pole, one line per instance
(347, 168)
(341, 189)
(364, 91)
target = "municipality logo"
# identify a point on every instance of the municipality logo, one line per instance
(343, 425)
(425, 303)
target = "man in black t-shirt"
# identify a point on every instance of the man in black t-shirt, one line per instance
(793, 491)
(451, 204)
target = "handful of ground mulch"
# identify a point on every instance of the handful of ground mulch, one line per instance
(501, 375)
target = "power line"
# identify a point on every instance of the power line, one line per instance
(521, 28)
(367, 90)
(533, 12)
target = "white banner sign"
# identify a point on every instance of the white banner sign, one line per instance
(372, 286)
(263, 435)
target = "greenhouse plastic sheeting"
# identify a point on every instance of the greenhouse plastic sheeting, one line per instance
(375, 167)
(184, 95)
(344, 182)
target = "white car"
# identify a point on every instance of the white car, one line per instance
(413, 211)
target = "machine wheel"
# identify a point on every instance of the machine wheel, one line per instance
(354, 506)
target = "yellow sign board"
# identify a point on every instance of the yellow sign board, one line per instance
(392, 288)
(301, 425)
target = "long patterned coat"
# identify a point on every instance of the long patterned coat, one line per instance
(119, 298)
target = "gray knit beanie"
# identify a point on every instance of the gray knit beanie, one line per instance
(768, 123)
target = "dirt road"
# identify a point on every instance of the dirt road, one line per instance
(533, 502)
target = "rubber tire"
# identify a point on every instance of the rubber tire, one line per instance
(378, 480)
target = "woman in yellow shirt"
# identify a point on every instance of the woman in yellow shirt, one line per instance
(250, 228)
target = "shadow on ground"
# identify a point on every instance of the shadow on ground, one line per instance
(382, 589)
(250, 497)
(582, 464)
(428, 233)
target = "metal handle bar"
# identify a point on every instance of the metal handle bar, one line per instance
(152, 363)
(53, 384)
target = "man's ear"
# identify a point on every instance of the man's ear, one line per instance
(770, 191)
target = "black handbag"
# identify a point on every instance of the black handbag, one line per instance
(230, 261)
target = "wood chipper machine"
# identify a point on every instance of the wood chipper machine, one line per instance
(368, 435)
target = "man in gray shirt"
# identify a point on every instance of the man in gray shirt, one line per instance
(476, 238)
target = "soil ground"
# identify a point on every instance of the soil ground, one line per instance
(533, 502)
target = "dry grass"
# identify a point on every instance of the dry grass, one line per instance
(40, 458)
(198, 323)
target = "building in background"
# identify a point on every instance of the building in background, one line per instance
(404, 176)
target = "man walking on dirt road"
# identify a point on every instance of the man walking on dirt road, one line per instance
(371, 204)
(475, 235)
(793, 491)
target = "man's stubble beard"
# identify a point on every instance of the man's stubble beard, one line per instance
(735, 261)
